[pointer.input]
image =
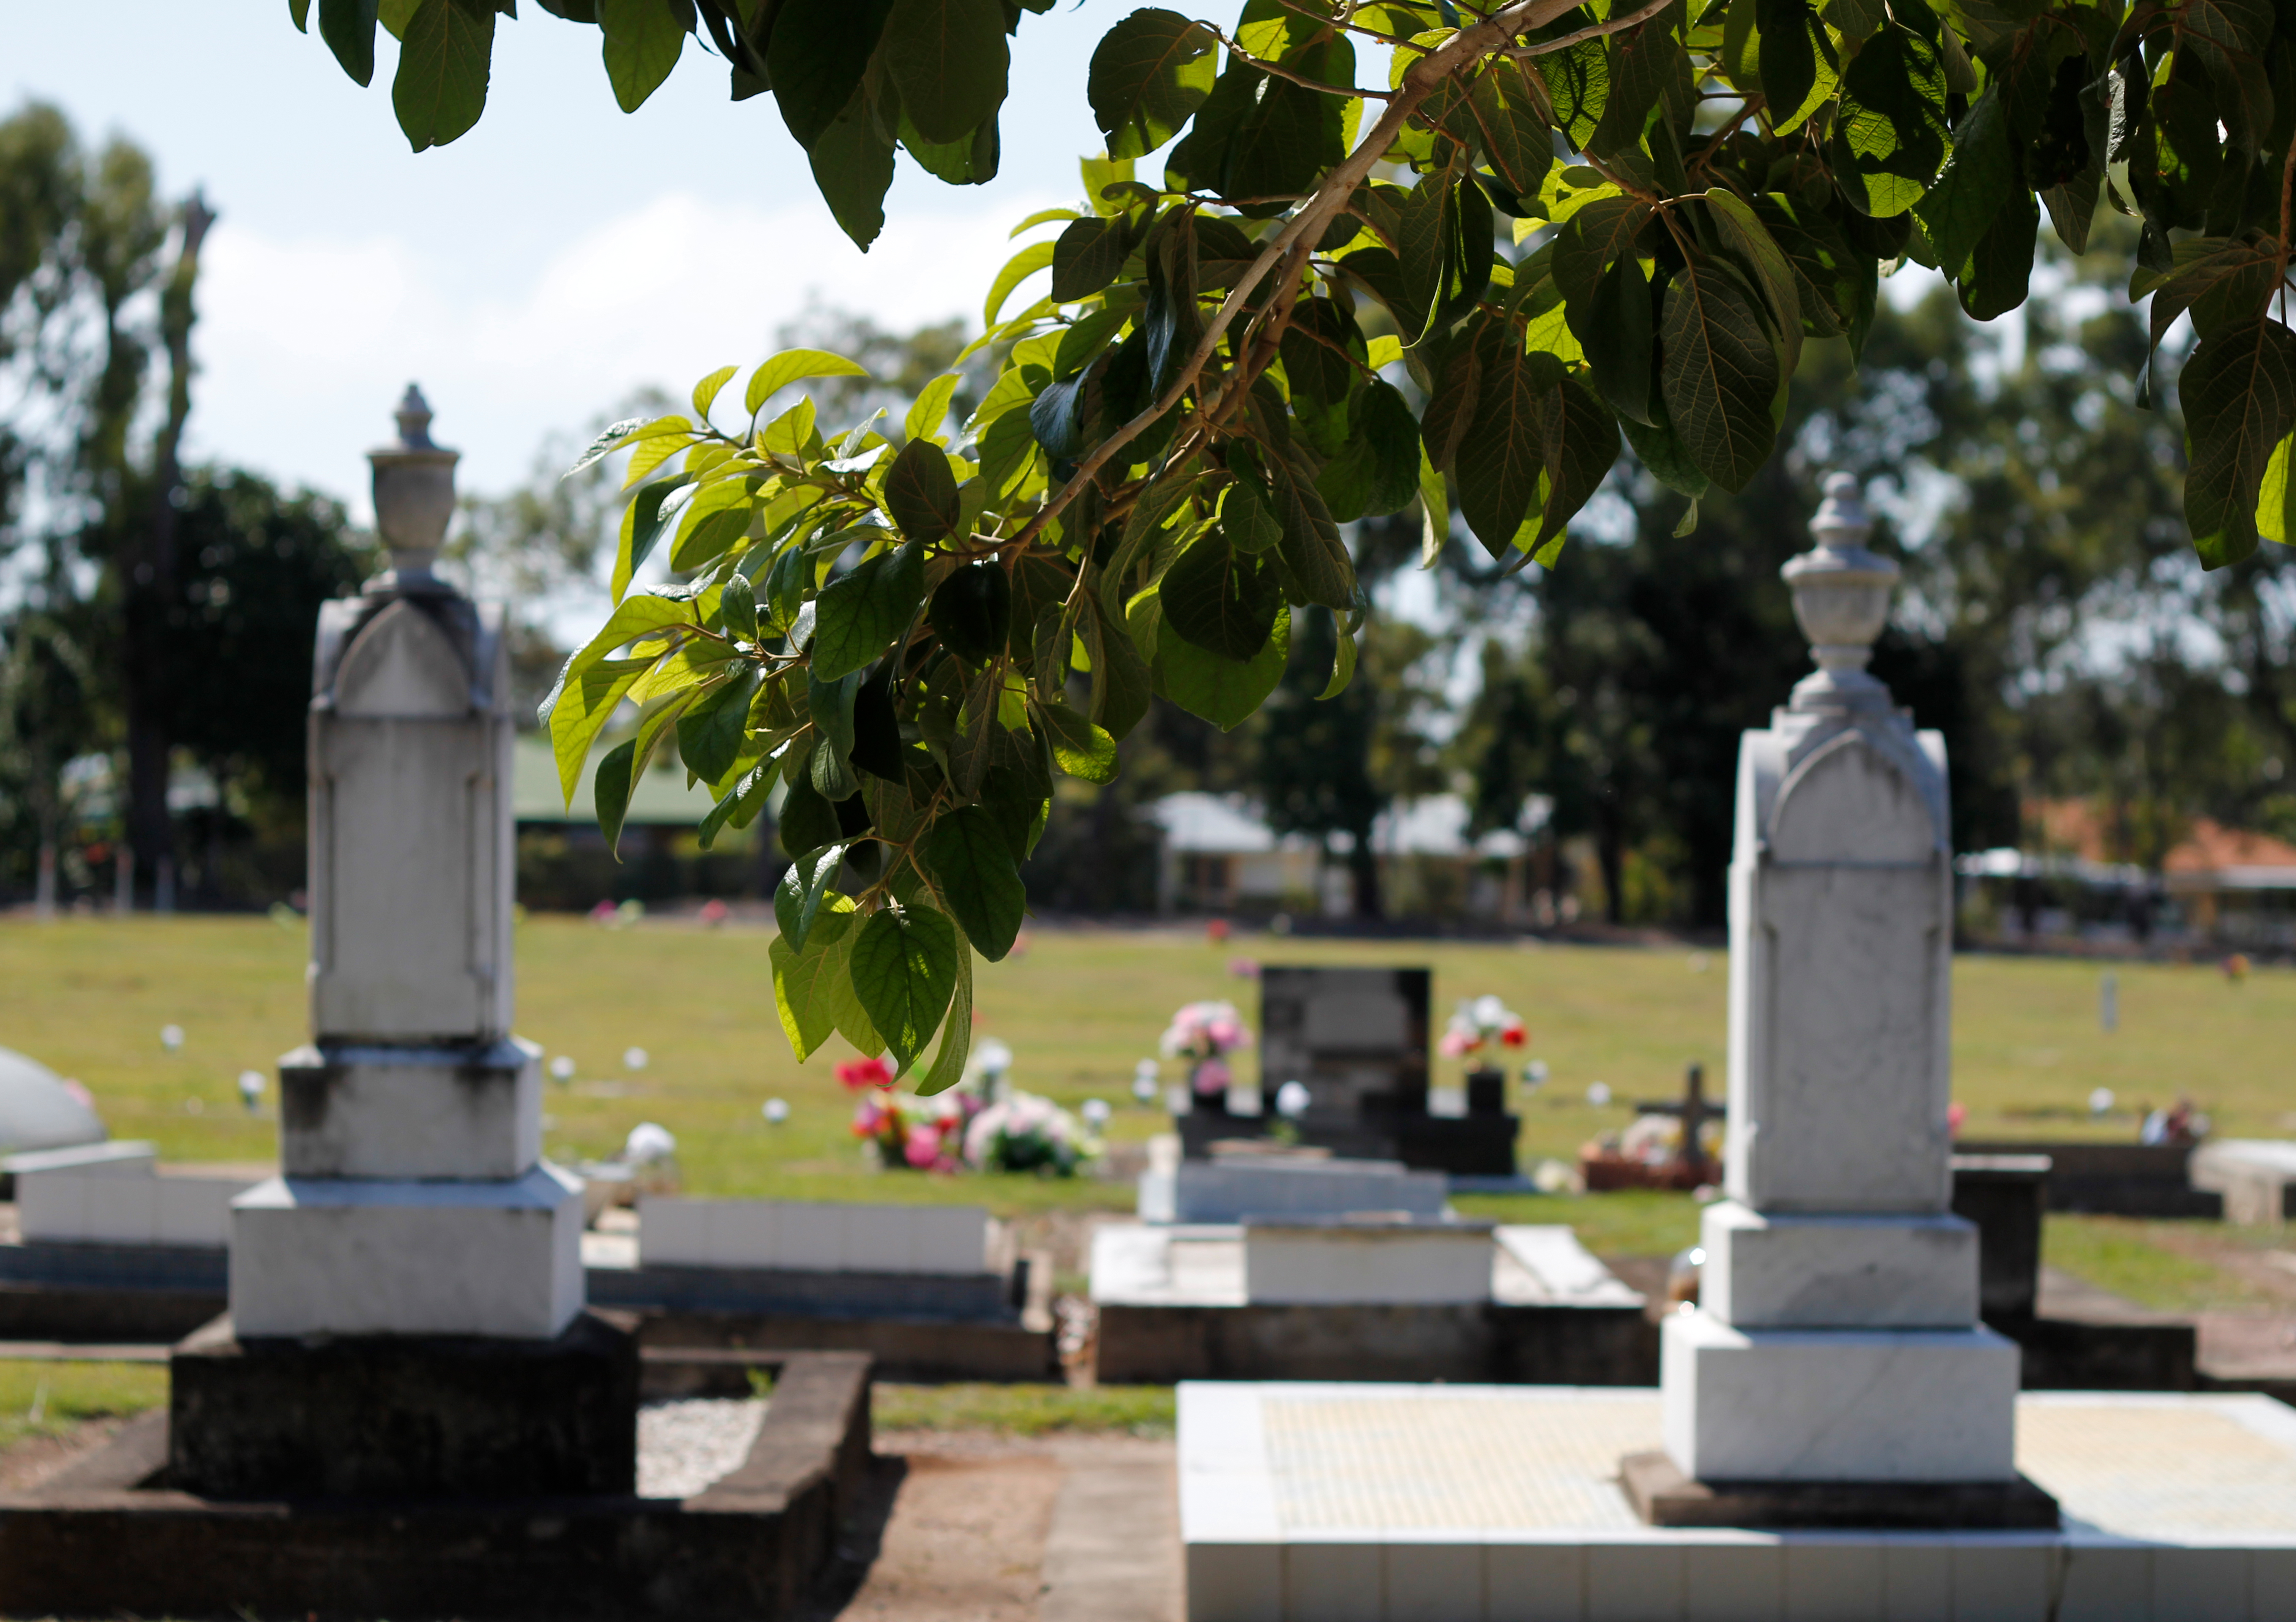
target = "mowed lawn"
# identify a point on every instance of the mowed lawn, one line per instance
(1079, 1008)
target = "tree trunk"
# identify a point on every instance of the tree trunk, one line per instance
(1610, 855)
(1363, 867)
(150, 578)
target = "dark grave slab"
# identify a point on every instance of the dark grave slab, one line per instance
(1663, 1496)
(114, 1534)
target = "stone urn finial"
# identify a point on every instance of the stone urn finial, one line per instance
(1841, 602)
(413, 500)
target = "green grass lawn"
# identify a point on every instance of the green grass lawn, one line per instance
(1023, 1410)
(49, 1398)
(1079, 1008)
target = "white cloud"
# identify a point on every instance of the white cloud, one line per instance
(305, 343)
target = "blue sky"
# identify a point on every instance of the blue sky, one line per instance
(530, 274)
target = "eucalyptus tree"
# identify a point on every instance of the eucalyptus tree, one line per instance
(1546, 225)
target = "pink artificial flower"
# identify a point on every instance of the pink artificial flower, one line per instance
(1243, 968)
(854, 1074)
(603, 912)
(1457, 1044)
(1225, 1033)
(1215, 931)
(1212, 1078)
(1954, 1114)
(715, 912)
(924, 1146)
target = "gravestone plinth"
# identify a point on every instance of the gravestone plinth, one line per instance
(406, 1298)
(1838, 1337)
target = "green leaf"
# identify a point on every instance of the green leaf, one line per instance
(1017, 269)
(1120, 683)
(299, 12)
(591, 685)
(815, 55)
(1343, 666)
(1311, 546)
(1514, 131)
(1889, 133)
(1577, 86)
(611, 789)
(949, 59)
(1789, 58)
(956, 1035)
(440, 87)
(861, 611)
(1718, 376)
(737, 609)
(1999, 271)
(1221, 599)
(929, 414)
(643, 523)
(1581, 447)
(1079, 748)
(1087, 257)
(972, 612)
(1148, 76)
(808, 821)
(1658, 449)
(2275, 498)
(788, 367)
(1641, 58)
(710, 733)
(804, 886)
(1751, 245)
(739, 806)
(920, 493)
(347, 26)
(1377, 470)
(1220, 690)
(1617, 337)
(1514, 401)
(852, 166)
(2239, 395)
(706, 390)
(904, 972)
(813, 989)
(1976, 184)
(970, 864)
(710, 523)
(642, 39)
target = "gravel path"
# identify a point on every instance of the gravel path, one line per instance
(686, 1444)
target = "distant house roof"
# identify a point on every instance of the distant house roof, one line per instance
(661, 796)
(1431, 825)
(2213, 856)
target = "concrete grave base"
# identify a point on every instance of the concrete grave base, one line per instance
(1356, 1503)
(405, 1415)
(1664, 1497)
(111, 1536)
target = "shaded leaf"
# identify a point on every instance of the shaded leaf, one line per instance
(920, 493)
(904, 972)
(860, 613)
(2239, 395)
(1148, 76)
(972, 867)
(1718, 376)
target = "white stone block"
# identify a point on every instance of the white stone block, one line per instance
(1434, 1582)
(675, 1233)
(1833, 1582)
(877, 1238)
(1729, 1582)
(195, 1207)
(2199, 1584)
(120, 1210)
(350, 1110)
(1917, 1579)
(2000, 1580)
(1638, 1580)
(811, 1239)
(1540, 1582)
(1234, 1583)
(951, 1240)
(1332, 1582)
(117, 1158)
(1397, 1264)
(1837, 1405)
(1780, 1270)
(1232, 1190)
(344, 1256)
(2107, 1584)
(741, 1232)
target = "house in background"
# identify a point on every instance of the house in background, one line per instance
(2216, 886)
(564, 865)
(1220, 855)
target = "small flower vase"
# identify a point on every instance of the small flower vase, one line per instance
(1487, 1091)
(1212, 1101)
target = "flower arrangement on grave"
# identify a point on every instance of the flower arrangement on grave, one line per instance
(907, 1132)
(1480, 1023)
(1026, 1133)
(1204, 1034)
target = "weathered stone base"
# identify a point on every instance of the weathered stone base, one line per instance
(1576, 1345)
(1663, 1496)
(110, 1537)
(403, 1416)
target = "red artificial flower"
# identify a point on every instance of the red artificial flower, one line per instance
(856, 1074)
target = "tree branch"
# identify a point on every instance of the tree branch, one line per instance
(1327, 199)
